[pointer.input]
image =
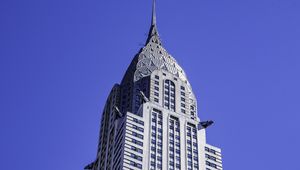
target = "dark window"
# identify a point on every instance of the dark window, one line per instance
(183, 93)
(169, 95)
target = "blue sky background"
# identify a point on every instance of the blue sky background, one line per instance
(60, 58)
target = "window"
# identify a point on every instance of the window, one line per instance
(137, 142)
(135, 164)
(136, 149)
(211, 164)
(137, 128)
(157, 77)
(182, 93)
(211, 157)
(156, 138)
(137, 135)
(136, 157)
(174, 141)
(169, 95)
(210, 150)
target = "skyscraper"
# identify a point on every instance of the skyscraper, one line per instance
(150, 119)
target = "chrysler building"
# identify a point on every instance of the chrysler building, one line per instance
(150, 119)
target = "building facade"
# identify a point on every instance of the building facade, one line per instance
(150, 119)
(213, 157)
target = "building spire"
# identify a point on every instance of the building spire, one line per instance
(153, 13)
(153, 33)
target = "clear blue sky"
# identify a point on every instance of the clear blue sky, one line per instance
(60, 58)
